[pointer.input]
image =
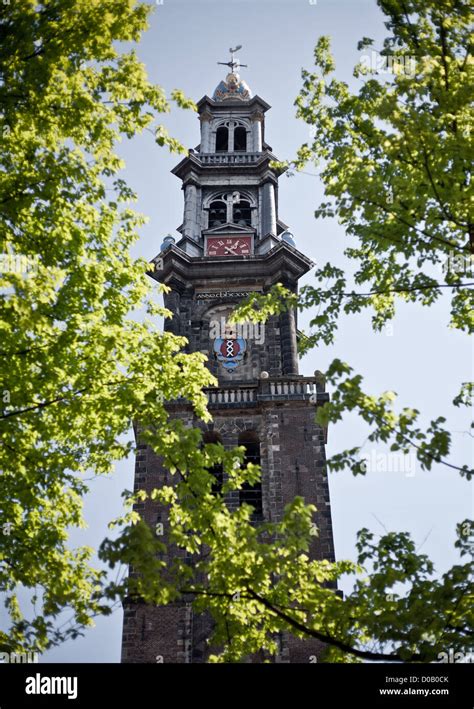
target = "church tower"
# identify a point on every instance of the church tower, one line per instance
(232, 242)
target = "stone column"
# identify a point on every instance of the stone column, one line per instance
(191, 221)
(172, 302)
(205, 132)
(289, 354)
(257, 121)
(268, 209)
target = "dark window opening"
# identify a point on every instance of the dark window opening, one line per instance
(251, 494)
(222, 140)
(242, 213)
(240, 139)
(217, 214)
(216, 470)
(218, 473)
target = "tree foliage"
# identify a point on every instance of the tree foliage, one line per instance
(395, 159)
(77, 363)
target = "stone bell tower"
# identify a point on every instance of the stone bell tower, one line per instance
(232, 242)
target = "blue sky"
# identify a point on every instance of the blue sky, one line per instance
(419, 358)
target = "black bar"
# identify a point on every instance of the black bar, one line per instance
(350, 685)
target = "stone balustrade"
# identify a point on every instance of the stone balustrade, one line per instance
(272, 389)
(291, 388)
(220, 396)
(287, 388)
(228, 158)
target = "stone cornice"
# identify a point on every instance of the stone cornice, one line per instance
(223, 106)
(194, 166)
(283, 263)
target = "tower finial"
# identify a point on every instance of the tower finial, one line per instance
(234, 64)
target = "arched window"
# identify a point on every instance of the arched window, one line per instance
(251, 494)
(217, 213)
(242, 213)
(222, 139)
(216, 470)
(240, 139)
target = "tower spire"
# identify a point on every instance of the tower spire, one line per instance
(234, 63)
(232, 244)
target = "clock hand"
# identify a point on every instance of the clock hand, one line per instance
(231, 250)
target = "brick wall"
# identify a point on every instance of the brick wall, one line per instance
(293, 463)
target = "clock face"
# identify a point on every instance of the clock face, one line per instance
(229, 245)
